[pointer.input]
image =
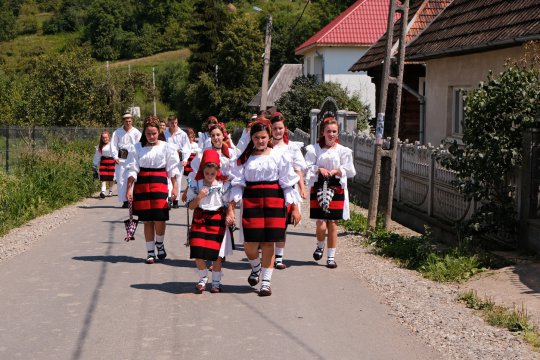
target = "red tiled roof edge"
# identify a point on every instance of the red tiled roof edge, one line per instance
(368, 10)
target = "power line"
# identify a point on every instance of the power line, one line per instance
(300, 17)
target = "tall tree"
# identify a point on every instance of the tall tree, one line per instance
(7, 22)
(239, 66)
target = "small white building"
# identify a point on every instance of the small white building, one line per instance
(335, 48)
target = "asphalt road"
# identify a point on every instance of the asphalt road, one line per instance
(81, 292)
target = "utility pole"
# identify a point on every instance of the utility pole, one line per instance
(266, 61)
(390, 154)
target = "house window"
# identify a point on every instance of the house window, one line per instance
(458, 115)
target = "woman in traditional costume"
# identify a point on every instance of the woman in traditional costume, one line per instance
(104, 163)
(329, 165)
(264, 181)
(280, 142)
(152, 162)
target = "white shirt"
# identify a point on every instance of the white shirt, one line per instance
(218, 195)
(225, 162)
(180, 140)
(336, 158)
(275, 166)
(105, 151)
(122, 139)
(293, 149)
(161, 155)
(244, 141)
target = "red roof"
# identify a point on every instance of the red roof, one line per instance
(361, 24)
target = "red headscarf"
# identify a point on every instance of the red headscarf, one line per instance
(209, 156)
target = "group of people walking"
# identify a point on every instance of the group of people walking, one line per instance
(265, 175)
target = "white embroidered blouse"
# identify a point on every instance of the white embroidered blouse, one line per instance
(339, 157)
(161, 155)
(275, 166)
(218, 194)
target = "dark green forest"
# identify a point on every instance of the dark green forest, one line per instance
(64, 82)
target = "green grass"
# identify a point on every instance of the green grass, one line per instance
(17, 53)
(145, 64)
(516, 320)
(45, 181)
(423, 254)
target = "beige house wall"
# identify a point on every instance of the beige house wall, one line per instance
(445, 74)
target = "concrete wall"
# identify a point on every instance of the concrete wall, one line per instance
(445, 74)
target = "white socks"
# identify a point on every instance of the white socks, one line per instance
(216, 278)
(150, 247)
(279, 254)
(266, 276)
(320, 244)
(203, 275)
(331, 253)
(159, 244)
(255, 265)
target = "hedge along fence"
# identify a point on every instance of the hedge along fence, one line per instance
(46, 180)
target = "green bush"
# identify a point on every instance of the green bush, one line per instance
(45, 181)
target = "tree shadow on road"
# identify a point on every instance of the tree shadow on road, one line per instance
(133, 260)
(183, 287)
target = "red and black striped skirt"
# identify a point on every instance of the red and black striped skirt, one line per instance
(150, 194)
(336, 205)
(264, 215)
(188, 168)
(207, 233)
(106, 168)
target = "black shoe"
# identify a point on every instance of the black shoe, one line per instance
(175, 204)
(125, 205)
(162, 254)
(102, 195)
(253, 278)
(318, 253)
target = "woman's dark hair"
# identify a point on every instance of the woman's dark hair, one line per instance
(278, 117)
(150, 121)
(258, 126)
(327, 121)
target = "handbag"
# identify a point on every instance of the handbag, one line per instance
(123, 154)
(130, 224)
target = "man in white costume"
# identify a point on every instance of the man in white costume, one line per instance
(122, 143)
(180, 140)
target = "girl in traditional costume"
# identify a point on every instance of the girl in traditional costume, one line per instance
(280, 142)
(104, 163)
(194, 151)
(210, 237)
(329, 166)
(149, 166)
(264, 180)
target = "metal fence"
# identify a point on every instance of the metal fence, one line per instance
(16, 140)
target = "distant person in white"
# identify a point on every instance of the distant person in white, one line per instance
(122, 143)
(180, 141)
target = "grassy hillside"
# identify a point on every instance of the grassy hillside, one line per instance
(17, 53)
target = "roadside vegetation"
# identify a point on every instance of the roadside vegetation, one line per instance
(206, 55)
(514, 320)
(46, 180)
(435, 261)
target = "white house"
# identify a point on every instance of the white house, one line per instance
(335, 48)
